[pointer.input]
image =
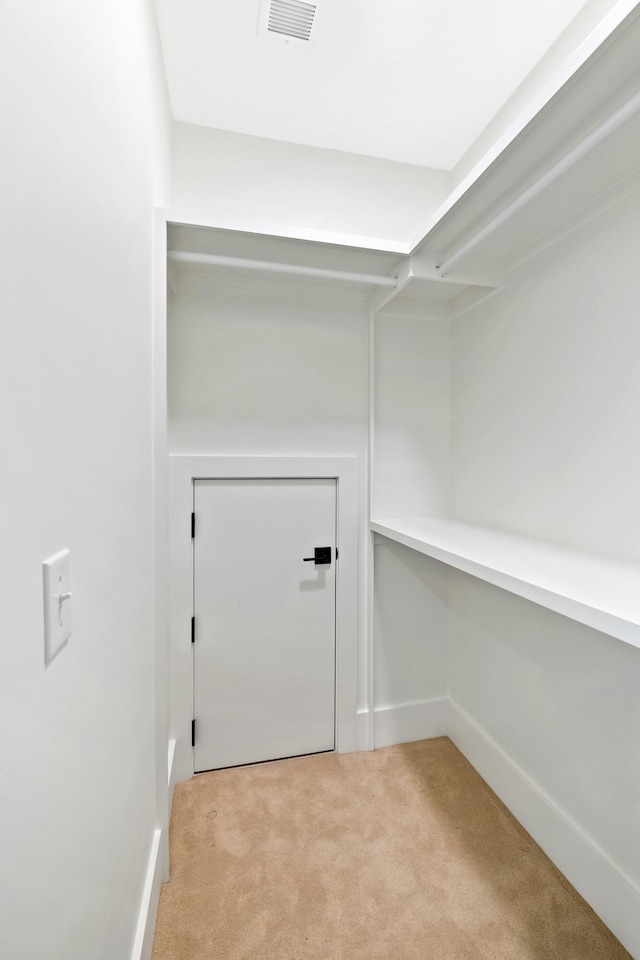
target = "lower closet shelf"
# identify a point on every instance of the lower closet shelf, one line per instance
(603, 594)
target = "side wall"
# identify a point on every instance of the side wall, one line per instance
(545, 413)
(546, 395)
(410, 478)
(84, 159)
(411, 414)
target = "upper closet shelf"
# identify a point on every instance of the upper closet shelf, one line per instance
(417, 279)
(601, 594)
(579, 154)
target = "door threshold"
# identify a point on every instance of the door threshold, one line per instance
(258, 763)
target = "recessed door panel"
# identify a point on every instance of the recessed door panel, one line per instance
(264, 604)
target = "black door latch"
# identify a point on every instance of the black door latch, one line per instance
(321, 555)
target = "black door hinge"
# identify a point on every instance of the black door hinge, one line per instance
(193, 629)
(193, 733)
(193, 525)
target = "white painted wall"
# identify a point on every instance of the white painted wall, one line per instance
(410, 645)
(267, 186)
(84, 158)
(561, 700)
(546, 395)
(411, 602)
(411, 377)
(411, 478)
(545, 411)
(257, 372)
(547, 711)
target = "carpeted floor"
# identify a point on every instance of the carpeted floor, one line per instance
(400, 854)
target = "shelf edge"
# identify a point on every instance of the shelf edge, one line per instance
(604, 621)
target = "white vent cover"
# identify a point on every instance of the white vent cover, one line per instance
(289, 21)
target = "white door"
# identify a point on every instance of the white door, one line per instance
(264, 637)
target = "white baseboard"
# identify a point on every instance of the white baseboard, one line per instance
(143, 942)
(612, 894)
(405, 722)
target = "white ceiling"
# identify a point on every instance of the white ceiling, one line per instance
(409, 80)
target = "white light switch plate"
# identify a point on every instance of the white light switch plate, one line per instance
(57, 602)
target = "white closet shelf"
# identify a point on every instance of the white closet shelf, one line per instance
(600, 593)
(573, 157)
(418, 280)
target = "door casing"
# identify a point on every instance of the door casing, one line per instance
(350, 613)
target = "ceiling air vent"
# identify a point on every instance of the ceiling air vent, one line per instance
(291, 21)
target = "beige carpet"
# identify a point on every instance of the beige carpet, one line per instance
(400, 854)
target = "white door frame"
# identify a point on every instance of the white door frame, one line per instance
(183, 471)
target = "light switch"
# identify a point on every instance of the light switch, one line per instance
(57, 602)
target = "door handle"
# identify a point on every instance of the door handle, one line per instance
(320, 555)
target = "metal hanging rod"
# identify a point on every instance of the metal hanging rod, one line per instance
(580, 150)
(214, 259)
